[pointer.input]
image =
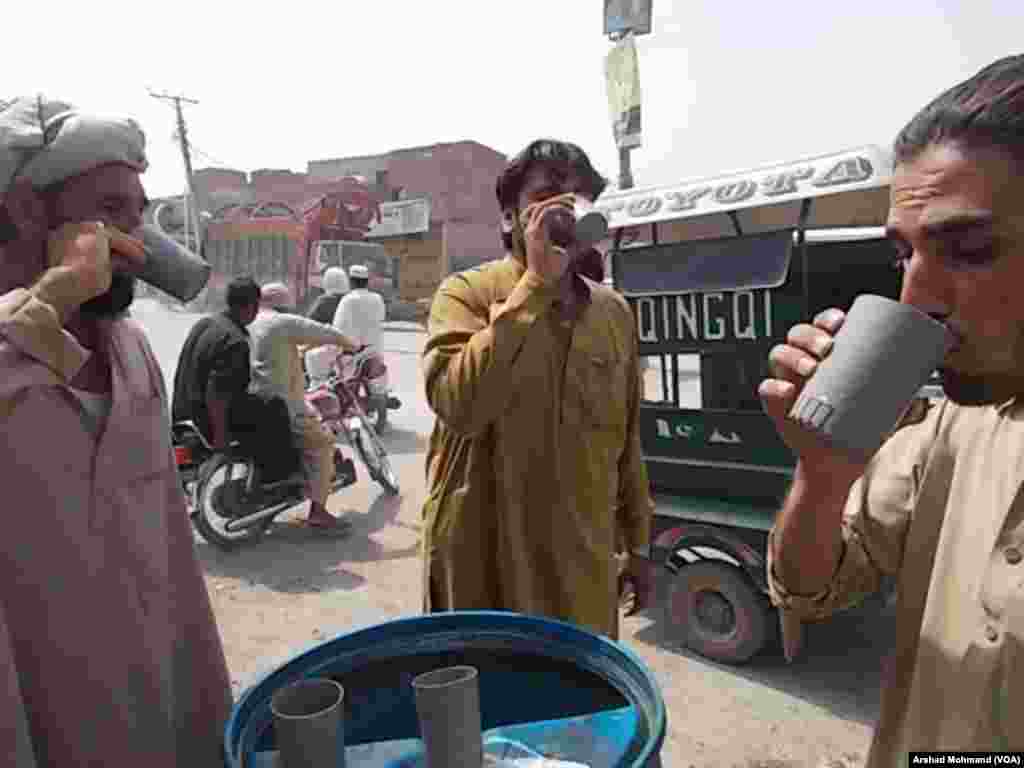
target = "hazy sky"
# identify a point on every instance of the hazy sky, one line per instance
(726, 85)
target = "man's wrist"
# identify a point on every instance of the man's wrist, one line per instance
(55, 289)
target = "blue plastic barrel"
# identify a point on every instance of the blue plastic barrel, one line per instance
(547, 688)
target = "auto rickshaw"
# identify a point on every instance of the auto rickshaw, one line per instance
(717, 271)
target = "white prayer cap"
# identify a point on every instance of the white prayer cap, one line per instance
(359, 271)
(47, 141)
(275, 295)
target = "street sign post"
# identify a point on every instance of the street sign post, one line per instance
(623, 21)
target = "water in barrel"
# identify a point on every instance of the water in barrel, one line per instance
(547, 690)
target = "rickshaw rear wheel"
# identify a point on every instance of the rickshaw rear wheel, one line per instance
(713, 609)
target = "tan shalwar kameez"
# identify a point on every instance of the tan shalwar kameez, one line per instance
(534, 467)
(940, 508)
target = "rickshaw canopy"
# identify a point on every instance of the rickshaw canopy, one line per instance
(846, 189)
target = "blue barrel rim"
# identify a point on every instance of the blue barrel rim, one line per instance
(428, 624)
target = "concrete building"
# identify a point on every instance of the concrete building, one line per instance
(453, 181)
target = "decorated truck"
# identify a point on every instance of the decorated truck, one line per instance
(274, 241)
(716, 271)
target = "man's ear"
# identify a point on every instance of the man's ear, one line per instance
(26, 210)
(508, 220)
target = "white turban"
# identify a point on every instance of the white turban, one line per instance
(335, 280)
(275, 295)
(47, 141)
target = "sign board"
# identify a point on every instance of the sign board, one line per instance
(402, 217)
(627, 15)
(622, 75)
(865, 168)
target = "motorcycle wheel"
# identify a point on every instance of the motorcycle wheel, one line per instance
(373, 455)
(218, 499)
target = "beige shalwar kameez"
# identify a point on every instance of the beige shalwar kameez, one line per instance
(940, 508)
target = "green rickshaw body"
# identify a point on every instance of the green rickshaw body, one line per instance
(717, 271)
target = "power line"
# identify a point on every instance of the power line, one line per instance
(210, 157)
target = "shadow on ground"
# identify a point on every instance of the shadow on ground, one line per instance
(291, 558)
(839, 669)
(287, 559)
(383, 513)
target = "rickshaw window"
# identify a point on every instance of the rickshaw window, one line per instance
(671, 380)
(727, 264)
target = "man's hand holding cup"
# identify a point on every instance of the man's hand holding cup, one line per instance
(548, 260)
(82, 258)
(792, 364)
(841, 384)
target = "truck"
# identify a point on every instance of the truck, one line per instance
(274, 241)
(716, 271)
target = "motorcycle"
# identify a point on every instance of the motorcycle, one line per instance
(365, 375)
(229, 505)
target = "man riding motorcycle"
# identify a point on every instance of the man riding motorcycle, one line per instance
(211, 385)
(277, 370)
(320, 360)
(361, 312)
(360, 316)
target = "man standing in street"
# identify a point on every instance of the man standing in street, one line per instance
(534, 466)
(109, 653)
(940, 507)
(277, 371)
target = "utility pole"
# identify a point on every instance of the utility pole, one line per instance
(191, 205)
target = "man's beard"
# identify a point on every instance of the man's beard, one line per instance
(116, 300)
(979, 389)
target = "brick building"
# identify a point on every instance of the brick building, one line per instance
(457, 179)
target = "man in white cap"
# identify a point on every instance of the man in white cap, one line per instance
(360, 316)
(276, 336)
(109, 652)
(361, 312)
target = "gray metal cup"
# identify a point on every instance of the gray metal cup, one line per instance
(309, 724)
(882, 356)
(591, 224)
(448, 707)
(171, 267)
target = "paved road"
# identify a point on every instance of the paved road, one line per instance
(290, 591)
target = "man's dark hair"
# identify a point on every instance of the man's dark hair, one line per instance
(986, 111)
(359, 282)
(242, 292)
(563, 156)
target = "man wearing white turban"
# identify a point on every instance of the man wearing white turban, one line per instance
(109, 652)
(276, 337)
(320, 360)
